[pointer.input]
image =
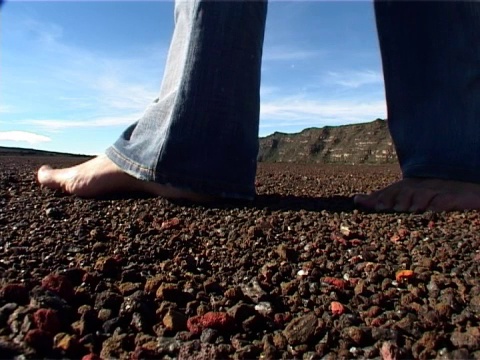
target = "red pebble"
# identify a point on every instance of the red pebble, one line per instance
(213, 320)
(16, 293)
(337, 308)
(168, 224)
(47, 320)
(91, 357)
(338, 283)
(39, 340)
(59, 284)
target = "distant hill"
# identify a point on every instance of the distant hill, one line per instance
(15, 151)
(366, 143)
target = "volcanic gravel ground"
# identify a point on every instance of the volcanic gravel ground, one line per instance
(298, 273)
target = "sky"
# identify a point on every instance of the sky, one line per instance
(75, 74)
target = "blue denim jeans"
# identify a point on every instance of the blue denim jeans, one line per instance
(431, 63)
(201, 133)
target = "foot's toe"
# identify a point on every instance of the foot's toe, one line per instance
(403, 200)
(381, 200)
(45, 176)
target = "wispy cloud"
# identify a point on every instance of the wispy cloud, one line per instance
(354, 79)
(23, 136)
(75, 78)
(63, 124)
(5, 109)
(306, 112)
(283, 53)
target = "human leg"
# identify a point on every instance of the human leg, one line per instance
(201, 134)
(431, 64)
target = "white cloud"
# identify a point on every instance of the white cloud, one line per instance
(23, 136)
(354, 79)
(75, 78)
(98, 122)
(305, 112)
(282, 53)
(4, 109)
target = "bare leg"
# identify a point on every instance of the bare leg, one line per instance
(100, 176)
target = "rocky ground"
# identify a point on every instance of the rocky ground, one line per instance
(299, 273)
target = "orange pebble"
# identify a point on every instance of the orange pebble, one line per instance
(337, 308)
(403, 275)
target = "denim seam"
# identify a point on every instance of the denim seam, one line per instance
(133, 163)
(175, 102)
(170, 177)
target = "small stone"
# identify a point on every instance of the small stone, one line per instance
(168, 292)
(9, 349)
(67, 343)
(47, 320)
(360, 287)
(105, 314)
(153, 283)
(108, 266)
(253, 324)
(109, 300)
(39, 340)
(5, 312)
(264, 308)
(234, 293)
(114, 347)
(53, 213)
(279, 340)
(111, 325)
(140, 322)
(15, 293)
(216, 320)
(286, 253)
(357, 334)
(241, 311)
(58, 284)
(209, 336)
(175, 321)
(169, 224)
(301, 330)
(254, 291)
(129, 288)
(403, 276)
(212, 286)
(337, 283)
(337, 308)
(469, 339)
(280, 319)
(389, 351)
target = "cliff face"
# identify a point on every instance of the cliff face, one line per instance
(367, 143)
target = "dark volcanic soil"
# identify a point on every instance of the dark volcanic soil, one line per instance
(298, 273)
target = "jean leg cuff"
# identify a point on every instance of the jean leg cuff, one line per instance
(180, 181)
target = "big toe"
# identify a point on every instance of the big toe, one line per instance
(45, 176)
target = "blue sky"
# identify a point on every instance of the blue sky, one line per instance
(73, 75)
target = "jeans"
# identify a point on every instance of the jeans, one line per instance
(431, 63)
(201, 134)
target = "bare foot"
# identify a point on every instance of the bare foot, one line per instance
(423, 194)
(100, 176)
